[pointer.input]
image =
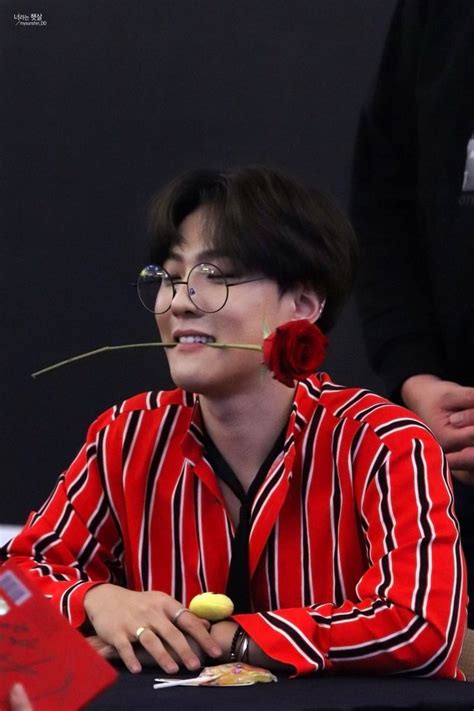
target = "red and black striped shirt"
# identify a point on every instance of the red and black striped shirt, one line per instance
(354, 551)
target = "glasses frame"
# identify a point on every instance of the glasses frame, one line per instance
(176, 282)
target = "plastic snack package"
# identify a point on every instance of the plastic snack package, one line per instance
(230, 674)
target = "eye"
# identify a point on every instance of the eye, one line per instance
(217, 277)
(229, 271)
(168, 274)
(167, 281)
(152, 275)
(152, 271)
(209, 272)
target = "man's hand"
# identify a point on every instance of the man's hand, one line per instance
(448, 409)
(116, 613)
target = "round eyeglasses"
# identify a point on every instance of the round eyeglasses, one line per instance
(207, 287)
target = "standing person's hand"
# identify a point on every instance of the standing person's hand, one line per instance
(448, 409)
(168, 632)
(18, 699)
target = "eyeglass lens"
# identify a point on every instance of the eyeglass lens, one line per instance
(206, 287)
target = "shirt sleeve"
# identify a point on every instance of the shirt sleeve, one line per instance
(408, 613)
(72, 543)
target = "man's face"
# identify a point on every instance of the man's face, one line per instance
(249, 308)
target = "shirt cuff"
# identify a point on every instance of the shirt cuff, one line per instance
(288, 636)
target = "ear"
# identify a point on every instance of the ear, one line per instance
(308, 304)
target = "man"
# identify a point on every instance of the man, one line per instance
(325, 512)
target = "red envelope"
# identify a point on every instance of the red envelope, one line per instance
(39, 648)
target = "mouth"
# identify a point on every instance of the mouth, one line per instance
(193, 338)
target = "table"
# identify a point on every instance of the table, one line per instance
(319, 693)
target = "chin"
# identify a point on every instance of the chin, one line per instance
(205, 384)
(191, 382)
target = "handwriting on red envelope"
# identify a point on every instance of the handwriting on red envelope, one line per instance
(38, 648)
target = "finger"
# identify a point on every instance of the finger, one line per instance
(19, 700)
(205, 623)
(107, 651)
(463, 418)
(152, 643)
(456, 438)
(104, 649)
(178, 642)
(464, 476)
(459, 397)
(188, 615)
(127, 655)
(94, 640)
(464, 459)
(193, 626)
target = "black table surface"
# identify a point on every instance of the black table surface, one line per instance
(317, 693)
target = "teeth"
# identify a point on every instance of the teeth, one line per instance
(196, 339)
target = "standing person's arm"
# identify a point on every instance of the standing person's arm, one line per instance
(394, 292)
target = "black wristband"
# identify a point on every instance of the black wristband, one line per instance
(238, 634)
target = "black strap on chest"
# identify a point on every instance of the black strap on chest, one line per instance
(238, 582)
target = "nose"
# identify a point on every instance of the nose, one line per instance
(181, 301)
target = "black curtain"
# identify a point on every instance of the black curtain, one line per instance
(103, 101)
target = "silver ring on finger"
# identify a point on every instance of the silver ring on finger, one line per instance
(178, 614)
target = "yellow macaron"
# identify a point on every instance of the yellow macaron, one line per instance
(211, 606)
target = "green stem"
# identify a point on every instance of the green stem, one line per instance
(104, 349)
(242, 346)
(100, 350)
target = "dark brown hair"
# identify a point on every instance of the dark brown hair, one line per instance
(265, 223)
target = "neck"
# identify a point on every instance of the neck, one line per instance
(244, 426)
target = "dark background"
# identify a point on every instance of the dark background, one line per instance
(99, 108)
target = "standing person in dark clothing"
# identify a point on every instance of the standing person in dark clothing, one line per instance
(413, 207)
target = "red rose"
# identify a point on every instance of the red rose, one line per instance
(294, 350)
